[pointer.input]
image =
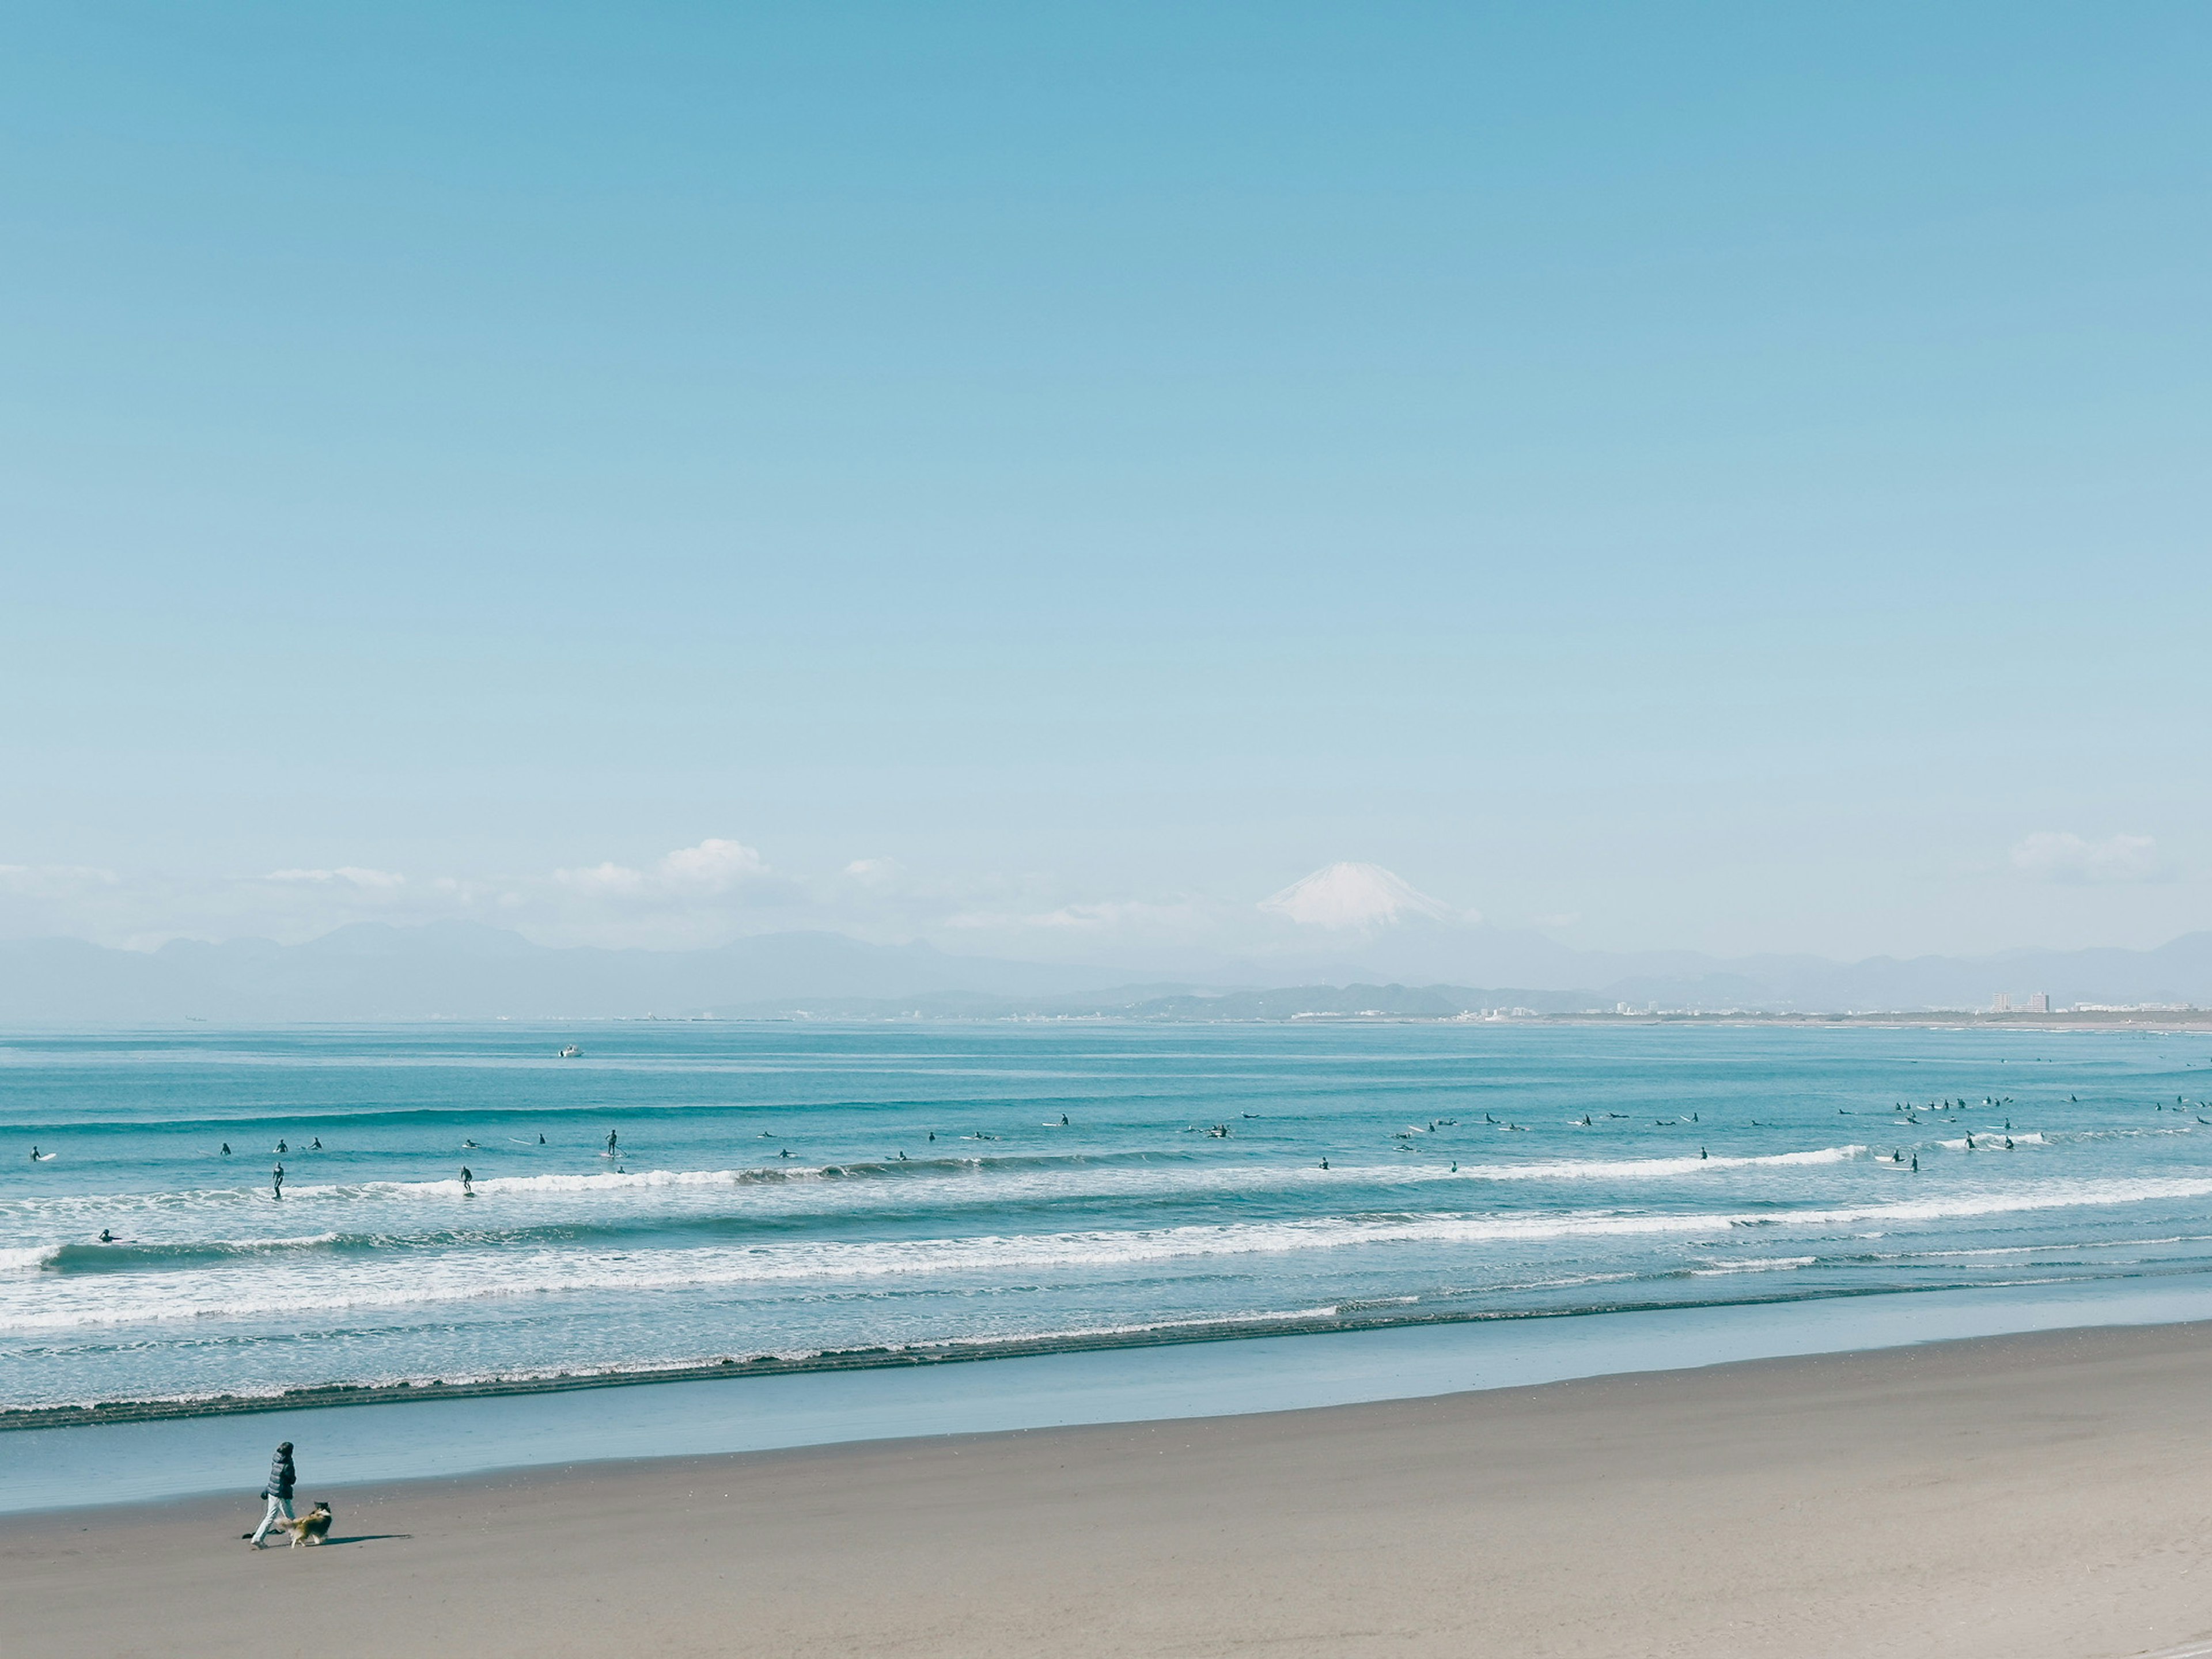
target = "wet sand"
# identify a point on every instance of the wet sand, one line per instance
(2039, 1497)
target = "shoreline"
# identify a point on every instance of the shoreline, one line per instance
(2033, 1496)
(329, 1395)
(368, 1442)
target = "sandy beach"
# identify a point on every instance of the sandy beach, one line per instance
(2039, 1497)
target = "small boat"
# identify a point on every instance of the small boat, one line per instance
(570, 1052)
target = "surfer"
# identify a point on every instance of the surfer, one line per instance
(1063, 1120)
(541, 1141)
(276, 1180)
(469, 1146)
(610, 1143)
(468, 1182)
(318, 1146)
(106, 1237)
(1915, 1164)
(281, 1149)
(34, 1154)
(226, 1149)
(1702, 1154)
(2008, 1143)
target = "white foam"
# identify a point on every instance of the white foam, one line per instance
(831, 1187)
(241, 1292)
(1767, 1264)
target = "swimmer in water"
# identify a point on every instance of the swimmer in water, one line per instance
(933, 1134)
(226, 1149)
(1324, 1164)
(106, 1237)
(468, 1182)
(281, 1149)
(469, 1146)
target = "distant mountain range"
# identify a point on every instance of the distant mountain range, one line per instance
(461, 970)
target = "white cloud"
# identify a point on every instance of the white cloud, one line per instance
(2050, 855)
(1355, 896)
(712, 867)
(350, 875)
(603, 879)
(873, 871)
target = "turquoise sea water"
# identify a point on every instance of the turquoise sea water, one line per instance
(1718, 1165)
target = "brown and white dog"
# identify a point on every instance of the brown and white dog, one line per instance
(313, 1528)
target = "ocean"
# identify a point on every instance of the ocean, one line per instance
(873, 1194)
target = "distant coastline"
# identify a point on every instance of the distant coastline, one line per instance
(451, 972)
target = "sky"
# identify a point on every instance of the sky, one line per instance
(1046, 479)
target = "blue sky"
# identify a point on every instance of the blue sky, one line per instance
(1719, 476)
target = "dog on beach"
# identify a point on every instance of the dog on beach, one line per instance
(311, 1528)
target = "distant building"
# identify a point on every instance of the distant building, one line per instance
(2036, 1002)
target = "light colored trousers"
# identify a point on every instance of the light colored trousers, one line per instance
(277, 1506)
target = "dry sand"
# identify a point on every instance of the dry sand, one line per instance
(2034, 1498)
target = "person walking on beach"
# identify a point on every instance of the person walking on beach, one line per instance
(278, 1493)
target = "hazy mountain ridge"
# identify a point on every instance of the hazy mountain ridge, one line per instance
(467, 971)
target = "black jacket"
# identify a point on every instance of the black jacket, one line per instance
(281, 1476)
